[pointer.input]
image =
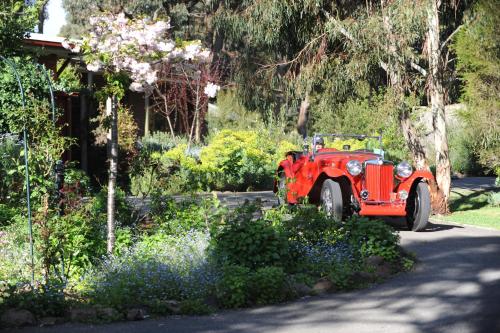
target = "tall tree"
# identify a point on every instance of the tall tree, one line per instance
(477, 46)
(125, 48)
(311, 44)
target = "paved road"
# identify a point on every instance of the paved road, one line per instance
(455, 288)
(473, 183)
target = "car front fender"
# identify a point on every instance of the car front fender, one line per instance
(335, 172)
(417, 176)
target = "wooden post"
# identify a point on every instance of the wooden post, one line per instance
(147, 115)
(112, 140)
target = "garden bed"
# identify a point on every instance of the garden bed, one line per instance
(196, 257)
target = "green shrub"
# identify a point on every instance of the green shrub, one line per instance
(340, 274)
(7, 214)
(76, 181)
(251, 242)
(195, 307)
(238, 160)
(494, 198)
(306, 224)
(125, 214)
(231, 160)
(15, 261)
(268, 285)
(370, 237)
(462, 156)
(160, 141)
(232, 114)
(157, 267)
(74, 241)
(44, 300)
(176, 218)
(11, 180)
(233, 288)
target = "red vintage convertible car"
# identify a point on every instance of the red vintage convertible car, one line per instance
(346, 182)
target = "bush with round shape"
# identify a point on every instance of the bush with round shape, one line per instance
(251, 243)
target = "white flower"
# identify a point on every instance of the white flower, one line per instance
(65, 44)
(93, 66)
(211, 89)
(136, 86)
(205, 54)
(121, 19)
(151, 77)
(166, 47)
(191, 51)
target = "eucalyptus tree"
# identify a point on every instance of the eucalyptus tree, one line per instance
(298, 50)
(477, 46)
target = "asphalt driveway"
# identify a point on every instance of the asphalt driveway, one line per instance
(454, 288)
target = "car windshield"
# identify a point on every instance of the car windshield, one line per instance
(328, 144)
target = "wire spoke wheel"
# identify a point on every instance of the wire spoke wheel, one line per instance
(331, 199)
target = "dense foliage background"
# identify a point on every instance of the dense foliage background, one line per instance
(287, 68)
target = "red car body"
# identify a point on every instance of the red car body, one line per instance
(376, 191)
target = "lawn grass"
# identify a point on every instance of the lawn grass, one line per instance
(472, 207)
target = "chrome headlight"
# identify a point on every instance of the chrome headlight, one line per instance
(354, 167)
(404, 169)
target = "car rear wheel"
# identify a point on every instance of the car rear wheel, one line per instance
(331, 199)
(418, 208)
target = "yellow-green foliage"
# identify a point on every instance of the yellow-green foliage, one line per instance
(354, 143)
(282, 148)
(232, 160)
(178, 155)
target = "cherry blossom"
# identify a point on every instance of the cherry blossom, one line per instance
(119, 44)
(211, 89)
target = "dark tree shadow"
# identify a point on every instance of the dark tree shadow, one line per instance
(399, 224)
(470, 201)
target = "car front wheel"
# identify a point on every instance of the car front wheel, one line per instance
(418, 208)
(331, 199)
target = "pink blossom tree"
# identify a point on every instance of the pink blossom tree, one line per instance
(129, 53)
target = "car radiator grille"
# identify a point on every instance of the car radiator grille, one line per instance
(379, 182)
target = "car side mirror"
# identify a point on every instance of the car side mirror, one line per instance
(346, 147)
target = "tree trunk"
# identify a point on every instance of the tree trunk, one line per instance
(436, 92)
(410, 133)
(413, 141)
(303, 117)
(112, 141)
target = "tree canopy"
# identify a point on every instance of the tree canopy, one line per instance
(17, 19)
(477, 46)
